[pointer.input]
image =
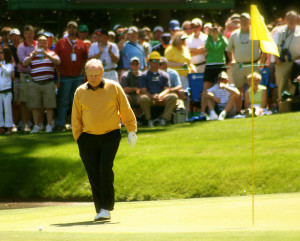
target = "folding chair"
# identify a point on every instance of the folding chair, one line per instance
(196, 88)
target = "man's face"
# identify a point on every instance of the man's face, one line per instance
(245, 22)
(15, 38)
(157, 34)
(83, 35)
(72, 30)
(94, 76)
(154, 64)
(163, 66)
(291, 20)
(196, 28)
(42, 42)
(103, 39)
(187, 28)
(224, 81)
(134, 65)
(29, 35)
(133, 37)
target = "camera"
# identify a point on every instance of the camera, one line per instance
(285, 55)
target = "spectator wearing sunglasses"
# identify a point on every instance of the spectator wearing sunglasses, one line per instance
(155, 87)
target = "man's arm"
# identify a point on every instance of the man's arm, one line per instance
(114, 56)
(29, 58)
(145, 92)
(230, 88)
(212, 96)
(77, 124)
(54, 58)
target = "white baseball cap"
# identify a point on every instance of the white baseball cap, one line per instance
(15, 31)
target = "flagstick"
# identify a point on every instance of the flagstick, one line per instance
(252, 136)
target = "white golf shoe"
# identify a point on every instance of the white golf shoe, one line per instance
(35, 129)
(102, 215)
(213, 115)
(222, 115)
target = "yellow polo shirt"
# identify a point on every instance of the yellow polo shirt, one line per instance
(98, 111)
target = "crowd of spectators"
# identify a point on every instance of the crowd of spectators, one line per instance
(40, 71)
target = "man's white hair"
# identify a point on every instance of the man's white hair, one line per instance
(94, 64)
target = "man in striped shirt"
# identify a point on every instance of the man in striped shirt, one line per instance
(41, 92)
(221, 98)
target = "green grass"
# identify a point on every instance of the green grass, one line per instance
(277, 218)
(181, 161)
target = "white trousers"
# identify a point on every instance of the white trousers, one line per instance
(6, 119)
(113, 75)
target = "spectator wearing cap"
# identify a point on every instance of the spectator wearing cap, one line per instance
(41, 90)
(215, 47)
(164, 43)
(179, 58)
(287, 38)
(174, 27)
(24, 49)
(15, 37)
(175, 83)
(130, 82)
(232, 23)
(155, 86)
(239, 55)
(83, 33)
(157, 33)
(142, 41)
(73, 55)
(133, 49)
(196, 45)
(187, 27)
(220, 99)
(111, 36)
(206, 28)
(50, 38)
(107, 52)
(148, 33)
(5, 34)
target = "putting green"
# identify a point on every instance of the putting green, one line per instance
(273, 213)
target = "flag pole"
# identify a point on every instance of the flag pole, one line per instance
(252, 134)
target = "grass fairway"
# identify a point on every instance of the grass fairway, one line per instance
(277, 218)
(206, 159)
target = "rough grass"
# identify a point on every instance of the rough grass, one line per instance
(203, 159)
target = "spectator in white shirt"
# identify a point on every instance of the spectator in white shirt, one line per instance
(196, 43)
(107, 52)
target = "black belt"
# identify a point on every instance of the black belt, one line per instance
(5, 91)
(42, 81)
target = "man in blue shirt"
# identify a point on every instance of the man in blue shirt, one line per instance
(133, 49)
(175, 82)
(155, 87)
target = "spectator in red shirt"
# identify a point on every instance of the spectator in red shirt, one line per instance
(73, 55)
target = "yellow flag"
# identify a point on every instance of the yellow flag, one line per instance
(260, 32)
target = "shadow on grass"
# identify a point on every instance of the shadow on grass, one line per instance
(84, 223)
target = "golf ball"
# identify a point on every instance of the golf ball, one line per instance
(40, 228)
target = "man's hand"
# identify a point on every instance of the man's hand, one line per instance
(223, 86)
(132, 138)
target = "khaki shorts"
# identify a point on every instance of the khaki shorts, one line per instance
(41, 95)
(23, 87)
(240, 74)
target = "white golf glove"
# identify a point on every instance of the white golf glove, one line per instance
(132, 138)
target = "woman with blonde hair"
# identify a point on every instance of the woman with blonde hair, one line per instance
(260, 95)
(179, 57)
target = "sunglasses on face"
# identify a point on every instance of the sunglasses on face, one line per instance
(195, 26)
(154, 61)
(134, 63)
(187, 28)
